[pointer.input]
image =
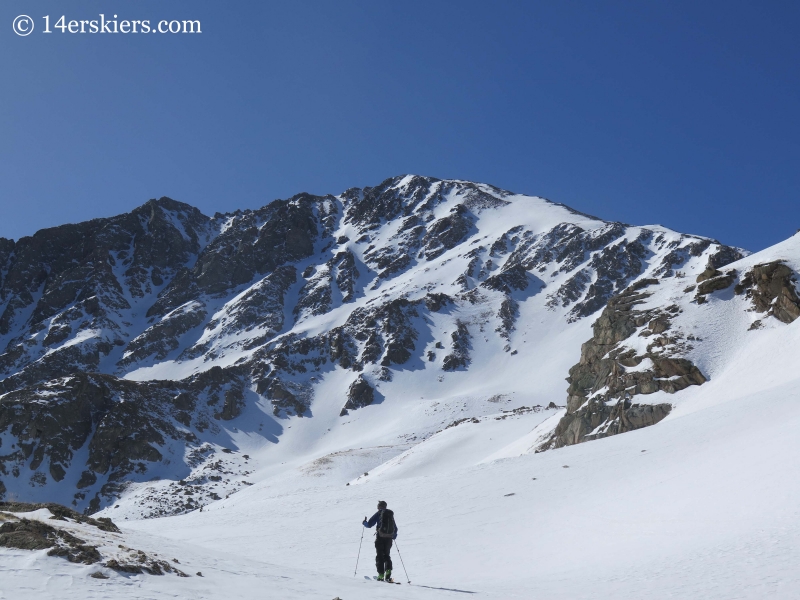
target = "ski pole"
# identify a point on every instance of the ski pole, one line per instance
(401, 562)
(359, 548)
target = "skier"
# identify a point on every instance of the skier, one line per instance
(385, 533)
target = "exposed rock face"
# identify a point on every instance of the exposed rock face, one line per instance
(447, 232)
(35, 535)
(712, 280)
(508, 314)
(123, 426)
(347, 274)
(597, 419)
(22, 533)
(252, 243)
(82, 281)
(609, 374)
(708, 274)
(287, 398)
(260, 309)
(359, 395)
(514, 278)
(716, 283)
(459, 351)
(771, 288)
(165, 336)
(27, 534)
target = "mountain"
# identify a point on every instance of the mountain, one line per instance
(258, 379)
(158, 344)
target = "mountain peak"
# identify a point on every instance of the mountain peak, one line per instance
(166, 203)
(159, 335)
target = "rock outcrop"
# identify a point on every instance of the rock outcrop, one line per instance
(19, 532)
(458, 358)
(609, 374)
(771, 288)
(123, 426)
(35, 535)
(359, 395)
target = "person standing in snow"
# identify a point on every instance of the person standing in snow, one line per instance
(385, 533)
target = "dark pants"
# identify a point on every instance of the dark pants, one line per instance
(383, 561)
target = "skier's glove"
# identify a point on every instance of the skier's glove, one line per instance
(364, 523)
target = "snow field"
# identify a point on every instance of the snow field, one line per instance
(709, 509)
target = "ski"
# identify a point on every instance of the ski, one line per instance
(384, 581)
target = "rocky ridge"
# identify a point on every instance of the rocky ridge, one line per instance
(640, 347)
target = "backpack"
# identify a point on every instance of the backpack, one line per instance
(386, 527)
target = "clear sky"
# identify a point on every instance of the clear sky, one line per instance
(685, 114)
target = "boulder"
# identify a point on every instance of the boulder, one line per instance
(708, 274)
(716, 283)
(359, 395)
(771, 288)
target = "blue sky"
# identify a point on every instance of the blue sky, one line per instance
(678, 113)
